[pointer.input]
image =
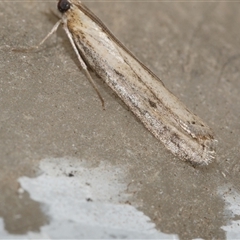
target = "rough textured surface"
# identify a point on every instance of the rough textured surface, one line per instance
(48, 109)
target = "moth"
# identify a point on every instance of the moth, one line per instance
(169, 120)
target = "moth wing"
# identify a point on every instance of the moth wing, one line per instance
(181, 131)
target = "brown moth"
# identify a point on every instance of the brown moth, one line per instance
(182, 132)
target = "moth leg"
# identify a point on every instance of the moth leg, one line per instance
(54, 29)
(84, 66)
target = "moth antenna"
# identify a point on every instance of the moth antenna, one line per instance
(84, 66)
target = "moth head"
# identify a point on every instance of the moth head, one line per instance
(63, 5)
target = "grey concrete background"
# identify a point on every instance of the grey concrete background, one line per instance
(48, 108)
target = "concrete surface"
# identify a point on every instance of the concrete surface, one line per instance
(68, 167)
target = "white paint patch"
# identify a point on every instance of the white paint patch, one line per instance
(83, 201)
(232, 210)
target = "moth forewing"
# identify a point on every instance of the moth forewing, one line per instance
(182, 132)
